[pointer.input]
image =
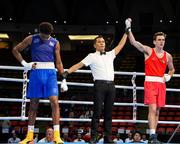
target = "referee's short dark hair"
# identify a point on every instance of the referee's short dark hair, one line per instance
(99, 36)
(46, 28)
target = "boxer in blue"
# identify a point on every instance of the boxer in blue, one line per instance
(45, 51)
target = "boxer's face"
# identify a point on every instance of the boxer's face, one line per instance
(159, 42)
(100, 44)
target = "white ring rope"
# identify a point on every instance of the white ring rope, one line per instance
(134, 104)
(168, 142)
(83, 102)
(85, 84)
(88, 120)
(83, 71)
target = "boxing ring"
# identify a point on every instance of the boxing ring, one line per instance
(134, 103)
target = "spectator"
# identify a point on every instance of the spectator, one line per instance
(129, 139)
(79, 138)
(6, 125)
(118, 140)
(144, 139)
(71, 115)
(36, 138)
(83, 115)
(65, 109)
(49, 137)
(100, 138)
(87, 137)
(66, 137)
(136, 137)
(14, 139)
(89, 113)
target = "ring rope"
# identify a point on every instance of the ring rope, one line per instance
(173, 134)
(89, 120)
(83, 102)
(85, 84)
(80, 102)
(83, 71)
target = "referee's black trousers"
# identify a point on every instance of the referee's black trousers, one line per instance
(104, 91)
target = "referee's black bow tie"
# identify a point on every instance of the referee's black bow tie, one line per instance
(102, 53)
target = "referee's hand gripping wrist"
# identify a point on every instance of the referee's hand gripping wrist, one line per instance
(65, 75)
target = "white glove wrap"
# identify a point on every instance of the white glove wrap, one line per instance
(26, 65)
(64, 86)
(167, 77)
(128, 23)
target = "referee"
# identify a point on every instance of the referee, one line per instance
(102, 68)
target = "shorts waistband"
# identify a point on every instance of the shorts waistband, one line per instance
(104, 81)
(154, 79)
(44, 65)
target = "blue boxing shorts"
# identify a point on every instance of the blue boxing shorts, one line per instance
(42, 83)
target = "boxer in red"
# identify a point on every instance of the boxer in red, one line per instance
(156, 61)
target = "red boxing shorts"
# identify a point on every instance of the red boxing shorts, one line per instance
(155, 93)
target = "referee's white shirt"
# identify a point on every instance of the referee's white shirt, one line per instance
(102, 66)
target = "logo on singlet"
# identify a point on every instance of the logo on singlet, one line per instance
(36, 41)
(153, 58)
(163, 61)
(51, 43)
